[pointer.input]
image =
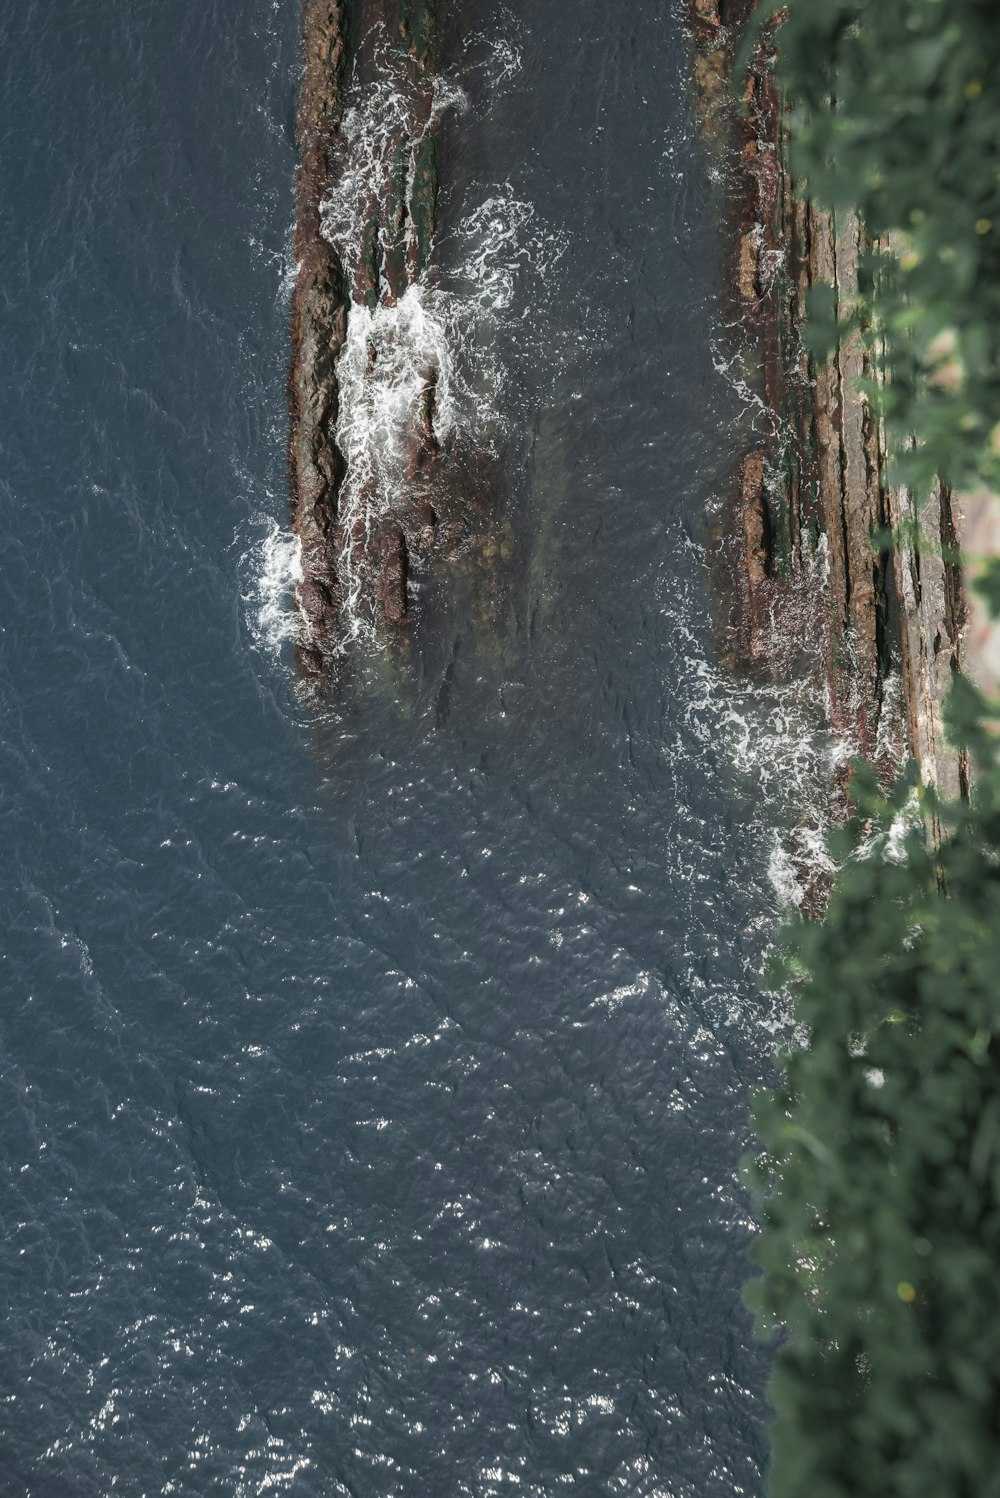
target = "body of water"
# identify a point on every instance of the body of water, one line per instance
(373, 1077)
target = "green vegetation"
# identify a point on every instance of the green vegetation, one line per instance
(895, 111)
(879, 1186)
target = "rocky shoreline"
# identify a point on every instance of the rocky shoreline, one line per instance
(356, 559)
(807, 591)
(881, 632)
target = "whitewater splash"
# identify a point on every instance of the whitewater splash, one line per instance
(419, 374)
(396, 375)
(399, 395)
(776, 737)
(271, 565)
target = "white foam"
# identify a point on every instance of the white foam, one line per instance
(732, 368)
(441, 329)
(382, 375)
(776, 736)
(502, 58)
(500, 241)
(272, 568)
(497, 257)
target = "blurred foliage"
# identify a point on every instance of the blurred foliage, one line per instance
(895, 112)
(878, 1189)
(987, 584)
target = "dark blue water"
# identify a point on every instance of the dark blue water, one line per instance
(373, 1085)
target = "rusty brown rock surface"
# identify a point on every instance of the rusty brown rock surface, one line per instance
(356, 559)
(882, 632)
(319, 323)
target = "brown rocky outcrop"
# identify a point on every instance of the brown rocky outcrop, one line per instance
(811, 590)
(319, 324)
(358, 557)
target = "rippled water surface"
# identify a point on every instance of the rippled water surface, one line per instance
(373, 1080)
